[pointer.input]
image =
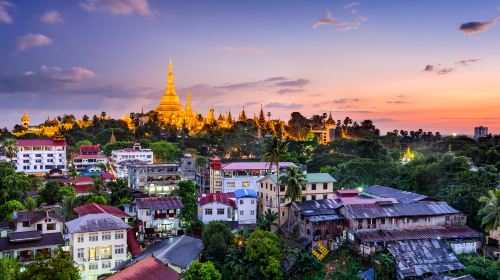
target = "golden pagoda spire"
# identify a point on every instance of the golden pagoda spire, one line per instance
(170, 106)
(112, 139)
(188, 102)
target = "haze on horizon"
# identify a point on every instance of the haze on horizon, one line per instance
(406, 65)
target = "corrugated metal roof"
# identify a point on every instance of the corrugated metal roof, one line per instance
(96, 222)
(37, 215)
(239, 193)
(95, 208)
(311, 178)
(411, 234)
(39, 143)
(400, 195)
(317, 204)
(415, 258)
(21, 236)
(256, 165)
(149, 268)
(423, 208)
(158, 203)
(47, 239)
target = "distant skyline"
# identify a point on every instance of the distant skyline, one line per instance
(407, 65)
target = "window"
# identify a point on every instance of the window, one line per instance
(231, 184)
(447, 218)
(415, 220)
(360, 224)
(241, 212)
(106, 264)
(382, 221)
(93, 237)
(428, 219)
(282, 199)
(303, 198)
(208, 211)
(393, 220)
(313, 197)
(119, 249)
(325, 186)
(371, 223)
(26, 224)
(261, 185)
(245, 183)
(80, 238)
(26, 161)
(51, 226)
(313, 187)
(26, 155)
(252, 201)
(80, 253)
(282, 213)
(118, 262)
(119, 235)
(325, 196)
(38, 155)
(304, 187)
(93, 266)
(106, 235)
(282, 188)
(406, 220)
(318, 232)
(241, 201)
(252, 212)
(220, 211)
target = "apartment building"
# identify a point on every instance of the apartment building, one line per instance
(157, 178)
(120, 159)
(39, 156)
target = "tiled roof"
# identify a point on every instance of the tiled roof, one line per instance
(149, 268)
(47, 239)
(311, 178)
(444, 277)
(415, 258)
(400, 195)
(107, 176)
(423, 208)
(411, 234)
(96, 222)
(158, 203)
(81, 179)
(256, 165)
(83, 188)
(88, 156)
(224, 198)
(39, 143)
(95, 208)
(21, 236)
(89, 149)
(35, 216)
(239, 193)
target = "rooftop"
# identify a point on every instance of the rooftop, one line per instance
(239, 193)
(39, 143)
(311, 178)
(34, 216)
(253, 165)
(400, 195)
(89, 156)
(224, 198)
(413, 234)
(47, 239)
(96, 222)
(149, 268)
(158, 203)
(360, 211)
(89, 149)
(95, 208)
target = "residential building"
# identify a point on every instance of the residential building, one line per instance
(188, 167)
(202, 177)
(217, 207)
(36, 233)
(317, 186)
(480, 131)
(89, 156)
(246, 203)
(148, 268)
(177, 253)
(158, 216)
(136, 154)
(157, 178)
(39, 156)
(98, 242)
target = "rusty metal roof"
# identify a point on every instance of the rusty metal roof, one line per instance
(423, 233)
(47, 239)
(400, 195)
(149, 268)
(422, 208)
(414, 258)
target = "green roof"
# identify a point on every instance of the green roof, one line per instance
(312, 178)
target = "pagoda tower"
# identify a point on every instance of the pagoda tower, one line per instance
(243, 116)
(189, 116)
(25, 121)
(262, 118)
(170, 107)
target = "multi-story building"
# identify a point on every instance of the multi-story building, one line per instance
(158, 216)
(134, 155)
(98, 242)
(480, 131)
(158, 178)
(39, 156)
(36, 233)
(202, 177)
(317, 186)
(229, 177)
(188, 167)
(89, 156)
(217, 207)
(246, 201)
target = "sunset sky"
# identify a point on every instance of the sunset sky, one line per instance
(433, 65)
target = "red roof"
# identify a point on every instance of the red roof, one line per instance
(149, 268)
(257, 165)
(39, 142)
(94, 208)
(224, 198)
(83, 188)
(106, 176)
(133, 245)
(88, 156)
(89, 149)
(81, 179)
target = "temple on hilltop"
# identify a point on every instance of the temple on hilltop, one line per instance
(49, 128)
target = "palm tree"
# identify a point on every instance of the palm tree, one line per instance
(69, 203)
(294, 180)
(491, 210)
(267, 220)
(98, 185)
(274, 149)
(30, 203)
(11, 149)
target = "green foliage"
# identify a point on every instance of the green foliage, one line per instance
(14, 185)
(82, 142)
(217, 238)
(9, 268)
(202, 271)
(491, 210)
(119, 193)
(479, 267)
(294, 180)
(268, 219)
(69, 203)
(99, 199)
(116, 146)
(50, 192)
(165, 151)
(308, 267)
(30, 203)
(65, 191)
(264, 251)
(189, 197)
(59, 266)
(8, 208)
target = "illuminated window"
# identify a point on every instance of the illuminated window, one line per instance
(231, 184)
(245, 183)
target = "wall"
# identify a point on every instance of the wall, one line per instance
(245, 204)
(216, 217)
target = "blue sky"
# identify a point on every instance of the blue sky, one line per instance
(364, 59)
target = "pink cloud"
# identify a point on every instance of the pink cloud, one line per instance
(118, 7)
(4, 15)
(32, 40)
(51, 17)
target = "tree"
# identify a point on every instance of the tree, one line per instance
(58, 267)
(99, 199)
(308, 267)
(274, 149)
(29, 203)
(8, 208)
(65, 191)
(68, 204)
(267, 220)
(491, 210)
(50, 191)
(99, 185)
(9, 268)
(202, 271)
(189, 198)
(294, 180)
(217, 238)
(10, 148)
(263, 250)
(119, 193)
(165, 151)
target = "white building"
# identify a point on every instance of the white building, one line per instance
(246, 201)
(217, 207)
(119, 158)
(98, 242)
(89, 156)
(39, 156)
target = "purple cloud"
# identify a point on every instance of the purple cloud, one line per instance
(4, 15)
(51, 17)
(279, 105)
(477, 26)
(118, 7)
(32, 40)
(329, 19)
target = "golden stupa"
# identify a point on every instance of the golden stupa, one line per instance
(170, 107)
